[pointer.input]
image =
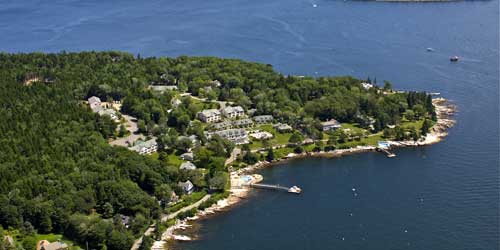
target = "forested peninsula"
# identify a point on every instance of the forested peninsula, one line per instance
(97, 146)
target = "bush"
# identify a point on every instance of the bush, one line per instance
(298, 150)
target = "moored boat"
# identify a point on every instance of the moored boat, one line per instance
(454, 58)
(295, 190)
(181, 237)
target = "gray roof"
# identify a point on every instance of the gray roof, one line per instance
(55, 246)
(222, 125)
(263, 118)
(94, 99)
(282, 126)
(228, 110)
(187, 166)
(188, 185)
(162, 88)
(243, 122)
(331, 122)
(231, 132)
(187, 156)
(210, 112)
(141, 144)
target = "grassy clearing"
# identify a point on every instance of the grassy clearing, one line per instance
(172, 158)
(278, 138)
(186, 201)
(417, 124)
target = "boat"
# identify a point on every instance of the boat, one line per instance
(181, 237)
(295, 190)
(430, 49)
(454, 58)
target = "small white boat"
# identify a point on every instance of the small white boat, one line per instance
(430, 49)
(454, 58)
(181, 237)
(295, 190)
(315, 5)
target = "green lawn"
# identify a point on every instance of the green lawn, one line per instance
(278, 139)
(353, 127)
(282, 152)
(173, 158)
(186, 201)
(416, 124)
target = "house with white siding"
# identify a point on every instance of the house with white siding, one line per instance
(145, 147)
(210, 115)
(261, 119)
(233, 112)
(238, 136)
(331, 125)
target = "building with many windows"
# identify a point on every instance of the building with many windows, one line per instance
(331, 125)
(145, 147)
(233, 112)
(209, 115)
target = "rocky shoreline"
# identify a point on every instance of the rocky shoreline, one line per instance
(444, 111)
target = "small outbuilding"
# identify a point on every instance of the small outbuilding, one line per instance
(187, 186)
(187, 166)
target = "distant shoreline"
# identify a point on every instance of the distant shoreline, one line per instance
(444, 111)
(410, 1)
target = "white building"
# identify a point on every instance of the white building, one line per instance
(282, 127)
(233, 112)
(260, 119)
(261, 135)
(210, 115)
(238, 136)
(95, 103)
(367, 85)
(187, 166)
(145, 147)
(331, 125)
(189, 156)
(187, 186)
(243, 123)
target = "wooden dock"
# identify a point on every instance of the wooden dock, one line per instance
(293, 189)
(386, 152)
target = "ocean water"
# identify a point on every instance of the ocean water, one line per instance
(444, 196)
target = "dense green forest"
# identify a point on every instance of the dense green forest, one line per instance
(58, 173)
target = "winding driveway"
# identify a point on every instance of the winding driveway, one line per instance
(166, 217)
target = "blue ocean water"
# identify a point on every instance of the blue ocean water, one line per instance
(444, 196)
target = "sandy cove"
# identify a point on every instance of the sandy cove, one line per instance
(238, 192)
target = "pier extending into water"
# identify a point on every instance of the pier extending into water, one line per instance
(384, 146)
(293, 189)
(387, 152)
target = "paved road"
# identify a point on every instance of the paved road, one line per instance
(149, 231)
(131, 126)
(222, 104)
(233, 157)
(184, 209)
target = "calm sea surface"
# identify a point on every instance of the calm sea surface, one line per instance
(444, 196)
